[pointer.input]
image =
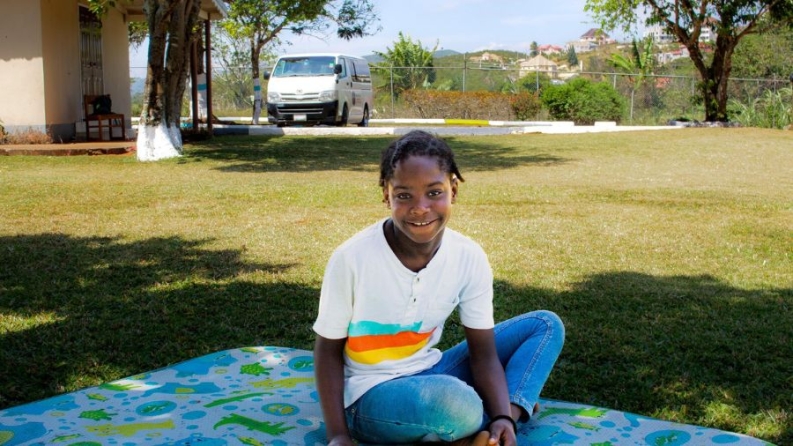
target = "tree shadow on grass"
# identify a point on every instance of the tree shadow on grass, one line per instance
(79, 311)
(679, 347)
(322, 153)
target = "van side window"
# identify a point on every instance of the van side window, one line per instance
(361, 71)
(343, 63)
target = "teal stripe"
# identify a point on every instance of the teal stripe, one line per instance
(370, 328)
(257, 88)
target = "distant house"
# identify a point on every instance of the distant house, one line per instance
(538, 63)
(596, 36)
(52, 52)
(668, 56)
(661, 36)
(550, 49)
(581, 46)
(489, 58)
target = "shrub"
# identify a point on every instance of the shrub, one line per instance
(525, 106)
(772, 110)
(29, 136)
(459, 104)
(583, 102)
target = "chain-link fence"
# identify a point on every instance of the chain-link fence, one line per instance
(651, 99)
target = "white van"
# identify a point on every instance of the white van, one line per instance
(321, 88)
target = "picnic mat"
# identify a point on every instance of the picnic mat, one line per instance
(266, 396)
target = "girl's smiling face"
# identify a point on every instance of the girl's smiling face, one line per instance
(420, 196)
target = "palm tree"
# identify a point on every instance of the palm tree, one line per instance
(639, 65)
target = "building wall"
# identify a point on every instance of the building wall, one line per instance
(61, 50)
(115, 55)
(21, 66)
(40, 65)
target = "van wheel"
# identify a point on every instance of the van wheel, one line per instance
(365, 120)
(345, 114)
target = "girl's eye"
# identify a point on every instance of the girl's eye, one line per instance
(403, 196)
(435, 193)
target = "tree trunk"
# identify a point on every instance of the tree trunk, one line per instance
(715, 77)
(171, 25)
(257, 84)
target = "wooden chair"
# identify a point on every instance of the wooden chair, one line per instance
(100, 121)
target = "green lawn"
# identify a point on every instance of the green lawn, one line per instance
(669, 255)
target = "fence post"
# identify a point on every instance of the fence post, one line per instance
(391, 75)
(465, 67)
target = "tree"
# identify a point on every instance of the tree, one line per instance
(572, 57)
(730, 20)
(533, 49)
(171, 28)
(261, 22)
(639, 65)
(411, 65)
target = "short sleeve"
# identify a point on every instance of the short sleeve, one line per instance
(336, 299)
(476, 297)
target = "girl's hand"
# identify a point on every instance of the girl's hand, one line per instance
(502, 433)
(341, 440)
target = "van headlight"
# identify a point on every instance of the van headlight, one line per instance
(328, 96)
(273, 96)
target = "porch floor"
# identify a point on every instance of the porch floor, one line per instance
(69, 149)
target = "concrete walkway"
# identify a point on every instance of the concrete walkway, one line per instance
(69, 149)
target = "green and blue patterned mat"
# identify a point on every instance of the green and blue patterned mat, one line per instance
(266, 396)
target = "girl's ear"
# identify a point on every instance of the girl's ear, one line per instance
(455, 184)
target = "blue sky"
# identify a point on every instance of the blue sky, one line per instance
(460, 25)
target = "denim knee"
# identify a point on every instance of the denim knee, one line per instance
(415, 409)
(455, 407)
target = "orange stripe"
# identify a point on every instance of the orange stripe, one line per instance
(375, 342)
(384, 354)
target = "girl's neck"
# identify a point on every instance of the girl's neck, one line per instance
(413, 256)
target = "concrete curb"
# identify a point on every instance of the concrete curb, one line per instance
(444, 130)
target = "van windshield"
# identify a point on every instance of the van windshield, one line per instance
(305, 66)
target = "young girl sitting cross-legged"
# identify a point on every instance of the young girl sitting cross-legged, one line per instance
(386, 294)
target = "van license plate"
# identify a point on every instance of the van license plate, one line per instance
(300, 117)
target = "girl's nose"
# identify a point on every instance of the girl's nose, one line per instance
(422, 206)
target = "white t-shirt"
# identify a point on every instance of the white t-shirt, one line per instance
(391, 316)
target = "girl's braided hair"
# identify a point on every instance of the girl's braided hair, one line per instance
(417, 143)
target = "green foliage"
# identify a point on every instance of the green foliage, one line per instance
(571, 56)
(731, 21)
(525, 106)
(772, 110)
(583, 101)
(262, 22)
(764, 55)
(533, 82)
(638, 65)
(410, 65)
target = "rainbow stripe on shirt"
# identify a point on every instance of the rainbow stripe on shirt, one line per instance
(371, 342)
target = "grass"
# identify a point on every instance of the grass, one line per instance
(668, 255)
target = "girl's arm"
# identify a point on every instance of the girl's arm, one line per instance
(490, 383)
(329, 375)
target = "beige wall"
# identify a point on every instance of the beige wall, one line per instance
(21, 66)
(61, 49)
(115, 54)
(40, 65)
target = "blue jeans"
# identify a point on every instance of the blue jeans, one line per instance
(440, 404)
